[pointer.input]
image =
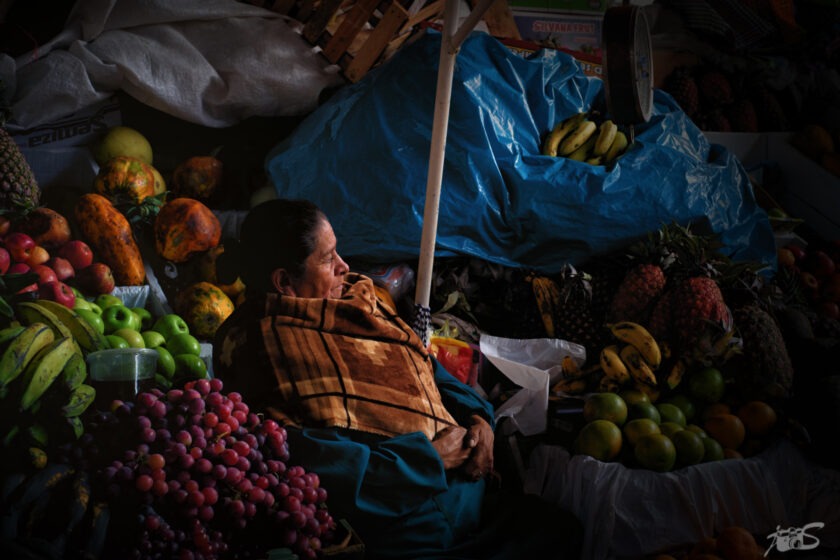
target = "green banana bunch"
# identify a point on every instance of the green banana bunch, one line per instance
(80, 399)
(88, 338)
(44, 368)
(21, 350)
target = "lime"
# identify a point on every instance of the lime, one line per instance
(632, 396)
(714, 450)
(670, 428)
(643, 409)
(635, 429)
(671, 413)
(684, 403)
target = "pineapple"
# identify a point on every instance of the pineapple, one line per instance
(18, 188)
(766, 370)
(691, 315)
(634, 299)
(573, 320)
(683, 88)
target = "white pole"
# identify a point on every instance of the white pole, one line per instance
(448, 52)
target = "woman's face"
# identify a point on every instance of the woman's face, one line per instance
(323, 270)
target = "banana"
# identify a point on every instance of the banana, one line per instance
(37, 435)
(88, 338)
(559, 132)
(639, 337)
(608, 385)
(595, 160)
(582, 153)
(76, 425)
(100, 519)
(37, 457)
(649, 390)
(612, 365)
(43, 481)
(571, 369)
(636, 365)
(676, 374)
(22, 349)
(619, 144)
(29, 312)
(606, 137)
(80, 399)
(45, 368)
(10, 333)
(570, 386)
(547, 295)
(577, 137)
(74, 372)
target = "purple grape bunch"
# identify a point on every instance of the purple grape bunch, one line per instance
(209, 478)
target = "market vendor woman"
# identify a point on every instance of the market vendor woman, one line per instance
(403, 449)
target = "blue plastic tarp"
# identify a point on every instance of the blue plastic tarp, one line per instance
(363, 157)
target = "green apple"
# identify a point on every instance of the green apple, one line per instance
(183, 343)
(153, 339)
(92, 319)
(95, 308)
(190, 366)
(77, 292)
(170, 324)
(107, 300)
(115, 341)
(81, 303)
(165, 362)
(119, 316)
(145, 316)
(132, 336)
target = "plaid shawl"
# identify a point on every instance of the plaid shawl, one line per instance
(351, 363)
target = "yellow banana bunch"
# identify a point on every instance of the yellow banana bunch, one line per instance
(570, 386)
(640, 338)
(581, 139)
(547, 295)
(614, 368)
(639, 369)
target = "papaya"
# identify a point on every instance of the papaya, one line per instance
(125, 178)
(204, 307)
(109, 234)
(185, 227)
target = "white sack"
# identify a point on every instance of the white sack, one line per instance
(210, 62)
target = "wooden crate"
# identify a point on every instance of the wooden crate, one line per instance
(357, 35)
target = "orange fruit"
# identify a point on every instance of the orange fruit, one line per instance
(655, 452)
(600, 439)
(633, 396)
(643, 409)
(758, 417)
(638, 427)
(736, 542)
(727, 429)
(689, 446)
(605, 406)
(714, 450)
(697, 430)
(684, 403)
(670, 428)
(714, 408)
(707, 385)
(671, 413)
(732, 454)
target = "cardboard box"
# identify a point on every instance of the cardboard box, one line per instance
(810, 191)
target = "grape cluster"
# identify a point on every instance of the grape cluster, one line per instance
(209, 478)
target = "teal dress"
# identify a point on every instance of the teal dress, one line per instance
(394, 491)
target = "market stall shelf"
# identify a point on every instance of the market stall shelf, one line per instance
(356, 35)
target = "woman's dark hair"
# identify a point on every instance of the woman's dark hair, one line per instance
(278, 233)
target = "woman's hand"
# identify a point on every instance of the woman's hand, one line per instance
(480, 440)
(450, 443)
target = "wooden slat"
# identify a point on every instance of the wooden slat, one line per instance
(499, 20)
(355, 19)
(427, 12)
(320, 19)
(282, 6)
(305, 10)
(391, 21)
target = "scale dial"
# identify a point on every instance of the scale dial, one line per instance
(628, 65)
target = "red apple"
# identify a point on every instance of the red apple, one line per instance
(22, 268)
(797, 250)
(5, 226)
(45, 273)
(96, 279)
(19, 246)
(62, 267)
(38, 255)
(810, 284)
(829, 309)
(77, 252)
(5, 260)
(57, 291)
(785, 257)
(819, 263)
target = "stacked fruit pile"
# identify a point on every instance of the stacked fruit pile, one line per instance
(580, 138)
